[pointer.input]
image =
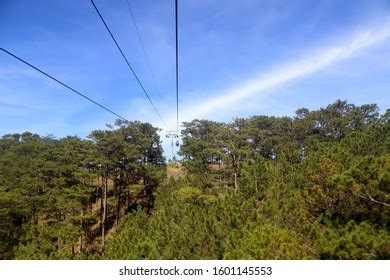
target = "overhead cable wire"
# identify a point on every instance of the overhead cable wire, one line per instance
(128, 64)
(177, 64)
(63, 84)
(143, 48)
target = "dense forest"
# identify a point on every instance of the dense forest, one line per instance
(60, 199)
(312, 186)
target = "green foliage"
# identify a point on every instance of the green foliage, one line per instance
(270, 242)
(194, 195)
(316, 186)
(350, 240)
(48, 241)
(49, 192)
(183, 226)
(132, 241)
(312, 187)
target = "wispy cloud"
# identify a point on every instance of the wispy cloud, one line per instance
(261, 86)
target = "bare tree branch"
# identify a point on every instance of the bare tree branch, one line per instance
(370, 198)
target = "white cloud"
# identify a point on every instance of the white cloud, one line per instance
(262, 84)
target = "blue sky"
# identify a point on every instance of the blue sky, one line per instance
(237, 58)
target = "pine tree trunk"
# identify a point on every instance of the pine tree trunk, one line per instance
(101, 200)
(104, 210)
(235, 181)
(118, 206)
(127, 200)
(235, 171)
(82, 234)
(145, 184)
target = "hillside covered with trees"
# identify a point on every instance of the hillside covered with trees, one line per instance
(60, 198)
(312, 186)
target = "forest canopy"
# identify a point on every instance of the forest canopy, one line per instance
(312, 186)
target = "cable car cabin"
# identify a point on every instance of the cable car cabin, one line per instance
(177, 143)
(154, 146)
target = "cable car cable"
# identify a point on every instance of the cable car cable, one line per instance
(63, 84)
(128, 64)
(143, 48)
(177, 65)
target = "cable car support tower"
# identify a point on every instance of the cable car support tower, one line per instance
(175, 134)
